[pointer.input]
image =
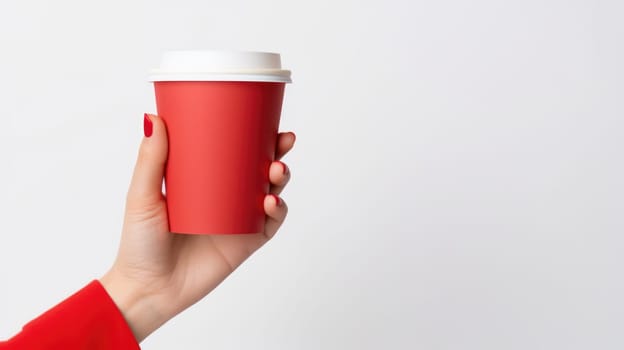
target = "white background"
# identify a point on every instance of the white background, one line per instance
(457, 179)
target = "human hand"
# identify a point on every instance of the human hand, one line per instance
(158, 274)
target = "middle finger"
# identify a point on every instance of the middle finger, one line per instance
(279, 175)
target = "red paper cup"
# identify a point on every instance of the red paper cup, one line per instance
(222, 111)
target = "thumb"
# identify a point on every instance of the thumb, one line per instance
(150, 166)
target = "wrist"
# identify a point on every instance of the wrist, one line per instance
(139, 309)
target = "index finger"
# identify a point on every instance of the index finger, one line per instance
(285, 142)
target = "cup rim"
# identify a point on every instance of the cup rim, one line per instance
(220, 65)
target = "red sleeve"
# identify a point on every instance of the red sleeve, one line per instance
(88, 319)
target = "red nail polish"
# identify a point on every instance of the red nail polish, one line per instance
(278, 201)
(148, 126)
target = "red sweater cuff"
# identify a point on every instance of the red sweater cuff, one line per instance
(89, 319)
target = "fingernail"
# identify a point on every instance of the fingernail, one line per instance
(284, 168)
(148, 126)
(278, 201)
(294, 135)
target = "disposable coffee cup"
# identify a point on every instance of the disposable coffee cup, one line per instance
(222, 110)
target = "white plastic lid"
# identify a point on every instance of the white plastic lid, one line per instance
(220, 65)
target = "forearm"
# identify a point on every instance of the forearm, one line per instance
(140, 309)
